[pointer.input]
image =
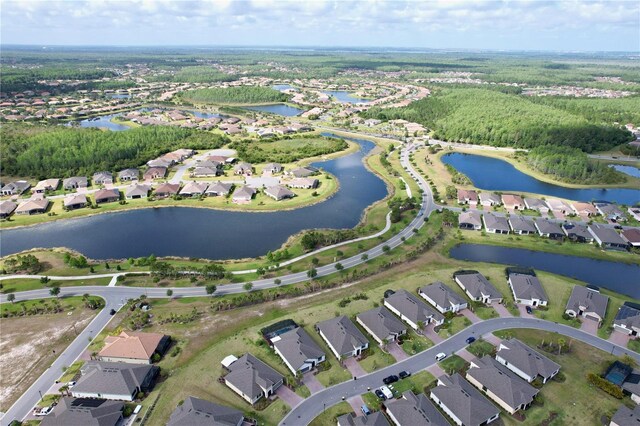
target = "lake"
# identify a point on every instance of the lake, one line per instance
(619, 277)
(278, 109)
(283, 87)
(206, 233)
(628, 170)
(346, 97)
(493, 174)
(104, 122)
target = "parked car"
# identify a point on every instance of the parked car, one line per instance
(441, 356)
(44, 411)
(112, 312)
(529, 310)
(71, 384)
(390, 379)
(380, 395)
(365, 410)
(470, 340)
(404, 374)
(386, 392)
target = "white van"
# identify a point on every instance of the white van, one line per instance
(441, 356)
(387, 392)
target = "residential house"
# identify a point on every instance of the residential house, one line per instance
(153, 173)
(536, 204)
(302, 172)
(414, 410)
(559, 206)
(106, 195)
(462, 402)
(342, 336)
(102, 178)
(32, 206)
(200, 412)
(165, 190)
(549, 229)
(75, 183)
(634, 212)
(251, 378)
(133, 347)
(477, 287)
(495, 224)
(128, 175)
(243, 194)
(631, 236)
(584, 209)
(207, 169)
(513, 202)
(75, 201)
(577, 232)
(500, 384)
(588, 303)
(6, 208)
(442, 297)
(303, 183)
(114, 380)
(631, 385)
(628, 319)
(412, 310)
(218, 189)
(243, 168)
(607, 238)
(298, 350)
(46, 185)
(373, 419)
(137, 191)
(279, 192)
(15, 188)
(467, 196)
(193, 189)
(272, 168)
(610, 211)
(626, 416)
(160, 162)
(85, 412)
(526, 362)
(470, 220)
(381, 324)
(520, 225)
(527, 290)
(490, 199)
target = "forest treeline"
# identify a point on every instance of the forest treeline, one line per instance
(287, 150)
(493, 118)
(571, 165)
(45, 152)
(234, 95)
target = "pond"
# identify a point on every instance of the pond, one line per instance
(103, 122)
(119, 95)
(206, 233)
(346, 97)
(493, 174)
(627, 170)
(283, 87)
(616, 276)
(278, 109)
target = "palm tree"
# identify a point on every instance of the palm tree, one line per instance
(561, 343)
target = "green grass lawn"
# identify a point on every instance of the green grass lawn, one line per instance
(17, 284)
(414, 343)
(377, 359)
(634, 345)
(71, 372)
(453, 363)
(334, 375)
(330, 414)
(44, 305)
(485, 312)
(480, 348)
(453, 326)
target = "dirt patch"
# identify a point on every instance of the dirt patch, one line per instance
(27, 348)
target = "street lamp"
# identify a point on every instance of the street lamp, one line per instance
(41, 397)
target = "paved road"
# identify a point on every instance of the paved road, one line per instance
(313, 406)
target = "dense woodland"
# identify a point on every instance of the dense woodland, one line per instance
(571, 165)
(42, 152)
(234, 95)
(287, 150)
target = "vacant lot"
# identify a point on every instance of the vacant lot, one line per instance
(27, 346)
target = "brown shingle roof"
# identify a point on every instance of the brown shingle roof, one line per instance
(131, 345)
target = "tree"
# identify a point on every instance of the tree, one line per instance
(364, 257)
(386, 248)
(561, 343)
(54, 291)
(312, 273)
(315, 261)
(339, 266)
(211, 288)
(44, 280)
(248, 286)
(261, 271)
(169, 293)
(451, 192)
(277, 281)
(11, 297)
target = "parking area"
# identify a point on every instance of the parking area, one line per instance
(354, 368)
(430, 334)
(396, 351)
(619, 338)
(288, 396)
(589, 325)
(312, 383)
(501, 310)
(470, 316)
(523, 312)
(356, 402)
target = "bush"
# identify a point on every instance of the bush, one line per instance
(605, 385)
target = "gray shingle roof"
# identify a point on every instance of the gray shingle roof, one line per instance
(520, 224)
(626, 416)
(470, 217)
(477, 285)
(382, 322)
(250, 375)
(545, 226)
(412, 307)
(76, 181)
(587, 300)
(526, 359)
(492, 221)
(442, 295)
(415, 410)
(577, 231)
(606, 235)
(296, 346)
(7, 207)
(527, 287)
(200, 412)
(375, 419)
(501, 381)
(464, 400)
(343, 334)
(85, 412)
(279, 192)
(220, 188)
(112, 377)
(628, 315)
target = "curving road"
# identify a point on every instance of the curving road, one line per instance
(313, 406)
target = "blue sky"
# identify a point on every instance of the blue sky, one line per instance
(440, 24)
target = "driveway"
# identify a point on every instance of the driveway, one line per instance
(620, 338)
(523, 312)
(354, 368)
(492, 338)
(470, 316)
(356, 402)
(311, 382)
(430, 334)
(288, 396)
(396, 351)
(589, 325)
(436, 371)
(501, 310)
(465, 354)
